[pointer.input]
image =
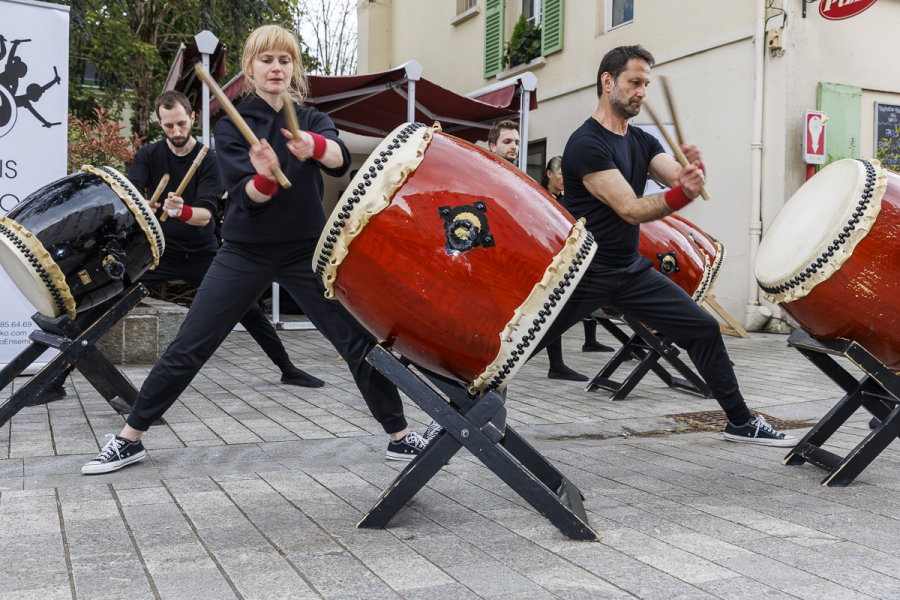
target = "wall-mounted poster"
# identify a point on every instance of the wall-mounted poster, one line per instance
(887, 135)
(34, 86)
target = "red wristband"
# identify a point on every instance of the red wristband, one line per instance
(264, 185)
(186, 213)
(320, 145)
(676, 199)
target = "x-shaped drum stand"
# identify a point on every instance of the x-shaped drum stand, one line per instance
(76, 347)
(647, 348)
(878, 391)
(479, 425)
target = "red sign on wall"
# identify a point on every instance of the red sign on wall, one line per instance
(814, 137)
(837, 10)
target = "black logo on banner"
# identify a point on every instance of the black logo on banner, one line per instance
(14, 70)
(466, 227)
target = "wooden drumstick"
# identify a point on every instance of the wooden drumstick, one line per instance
(290, 116)
(679, 155)
(236, 117)
(187, 178)
(159, 190)
(671, 101)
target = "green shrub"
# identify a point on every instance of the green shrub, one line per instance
(524, 44)
(99, 142)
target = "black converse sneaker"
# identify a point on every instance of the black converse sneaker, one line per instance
(758, 431)
(434, 430)
(117, 453)
(408, 448)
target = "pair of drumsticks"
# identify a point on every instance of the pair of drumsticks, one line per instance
(676, 148)
(184, 182)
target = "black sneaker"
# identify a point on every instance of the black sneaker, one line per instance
(408, 448)
(596, 346)
(433, 431)
(117, 453)
(566, 374)
(298, 377)
(758, 431)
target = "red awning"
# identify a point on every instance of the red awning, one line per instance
(375, 103)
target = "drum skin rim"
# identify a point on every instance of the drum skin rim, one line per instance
(55, 282)
(405, 157)
(576, 254)
(803, 280)
(136, 203)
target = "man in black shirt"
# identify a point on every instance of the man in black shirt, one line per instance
(605, 167)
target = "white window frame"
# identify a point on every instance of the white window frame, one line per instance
(537, 10)
(608, 21)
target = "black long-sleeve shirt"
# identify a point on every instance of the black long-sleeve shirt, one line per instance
(292, 214)
(204, 190)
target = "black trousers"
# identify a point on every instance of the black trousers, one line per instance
(235, 280)
(643, 293)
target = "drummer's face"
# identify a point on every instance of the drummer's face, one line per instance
(630, 88)
(272, 70)
(176, 124)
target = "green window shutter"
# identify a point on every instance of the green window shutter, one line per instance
(551, 26)
(843, 107)
(493, 37)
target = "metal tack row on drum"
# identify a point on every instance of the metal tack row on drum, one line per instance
(456, 259)
(79, 241)
(829, 258)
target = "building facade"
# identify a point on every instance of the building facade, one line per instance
(743, 72)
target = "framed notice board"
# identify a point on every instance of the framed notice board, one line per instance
(887, 135)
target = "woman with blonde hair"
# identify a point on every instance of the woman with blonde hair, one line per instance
(270, 235)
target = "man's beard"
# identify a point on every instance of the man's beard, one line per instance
(623, 108)
(180, 143)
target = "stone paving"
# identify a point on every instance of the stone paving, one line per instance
(253, 490)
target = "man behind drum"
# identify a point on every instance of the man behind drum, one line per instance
(605, 168)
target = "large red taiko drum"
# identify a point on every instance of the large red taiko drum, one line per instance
(452, 256)
(675, 255)
(829, 258)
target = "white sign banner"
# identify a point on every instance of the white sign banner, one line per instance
(34, 86)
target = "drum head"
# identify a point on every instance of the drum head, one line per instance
(818, 227)
(30, 267)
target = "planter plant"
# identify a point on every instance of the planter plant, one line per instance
(524, 44)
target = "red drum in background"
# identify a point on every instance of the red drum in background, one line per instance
(455, 258)
(708, 245)
(675, 255)
(829, 258)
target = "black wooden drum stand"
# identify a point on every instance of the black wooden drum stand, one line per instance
(76, 348)
(647, 348)
(479, 424)
(878, 391)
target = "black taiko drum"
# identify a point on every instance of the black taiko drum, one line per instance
(79, 241)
